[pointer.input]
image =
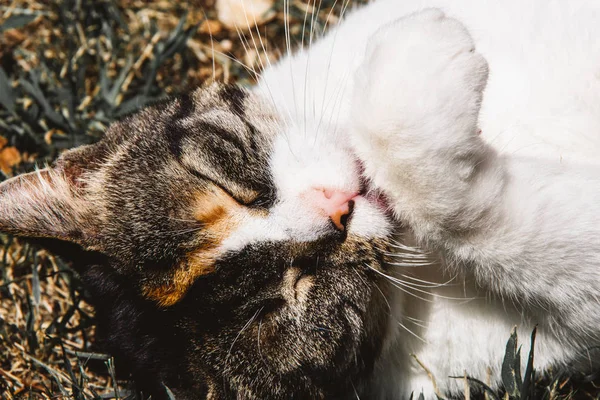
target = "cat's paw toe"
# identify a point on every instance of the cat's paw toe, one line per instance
(427, 14)
(429, 29)
(421, 70)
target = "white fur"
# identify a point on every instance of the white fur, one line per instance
(512, 213)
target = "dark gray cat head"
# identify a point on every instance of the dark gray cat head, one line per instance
(216, 266)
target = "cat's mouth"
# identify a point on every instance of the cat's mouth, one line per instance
(370, 192)
(377, 198)
(374, 195)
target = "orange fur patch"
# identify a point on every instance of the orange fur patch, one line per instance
(220, 215)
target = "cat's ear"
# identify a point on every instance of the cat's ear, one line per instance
(49, 203)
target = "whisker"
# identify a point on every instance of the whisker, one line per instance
(328, 17)
(258, 344)
(416, 288)
(412, 320)
(401, 288)
(246, 46)
(400, 284)
(416, 322)
(377, 286)
(434, 284)
(306, 69)
(262, 44)
(306, 7)
(355, 392)
(410, 264)
(426, 286)
(324, 104)
(338, 96)
(396, 244)
(411, 332)
(183, 220)
(286, 13)
(183, 232)
(212, 46)
(328, 69)
(245, 66)
(242, 330)
(252, 36)
(266, 54)
(384, 298)
(314, 19)
(410, 257)
(405, 252)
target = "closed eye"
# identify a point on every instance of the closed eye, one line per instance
(262, 200)
(254, 199)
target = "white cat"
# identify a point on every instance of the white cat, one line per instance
(505, 199)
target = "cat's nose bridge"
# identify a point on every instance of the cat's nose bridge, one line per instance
(335, 204)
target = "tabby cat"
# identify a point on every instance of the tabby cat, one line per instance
(368, 221)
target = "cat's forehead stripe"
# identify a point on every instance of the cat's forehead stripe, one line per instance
(221, 133)
(201, 104)
(173, 129)
(235, 97)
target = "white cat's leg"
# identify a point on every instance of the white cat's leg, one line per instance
(526, 230)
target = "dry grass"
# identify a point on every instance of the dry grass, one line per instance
(45, 330)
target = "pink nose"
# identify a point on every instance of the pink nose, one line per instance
(335, 204)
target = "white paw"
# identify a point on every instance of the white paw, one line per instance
(421, 76)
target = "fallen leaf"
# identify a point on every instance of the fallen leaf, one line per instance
(9, 157)
(243, 14)
(13, 37)
(210, 27)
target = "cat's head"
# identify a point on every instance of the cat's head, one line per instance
(252, 249)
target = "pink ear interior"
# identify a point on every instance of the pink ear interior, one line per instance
(44, 203)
